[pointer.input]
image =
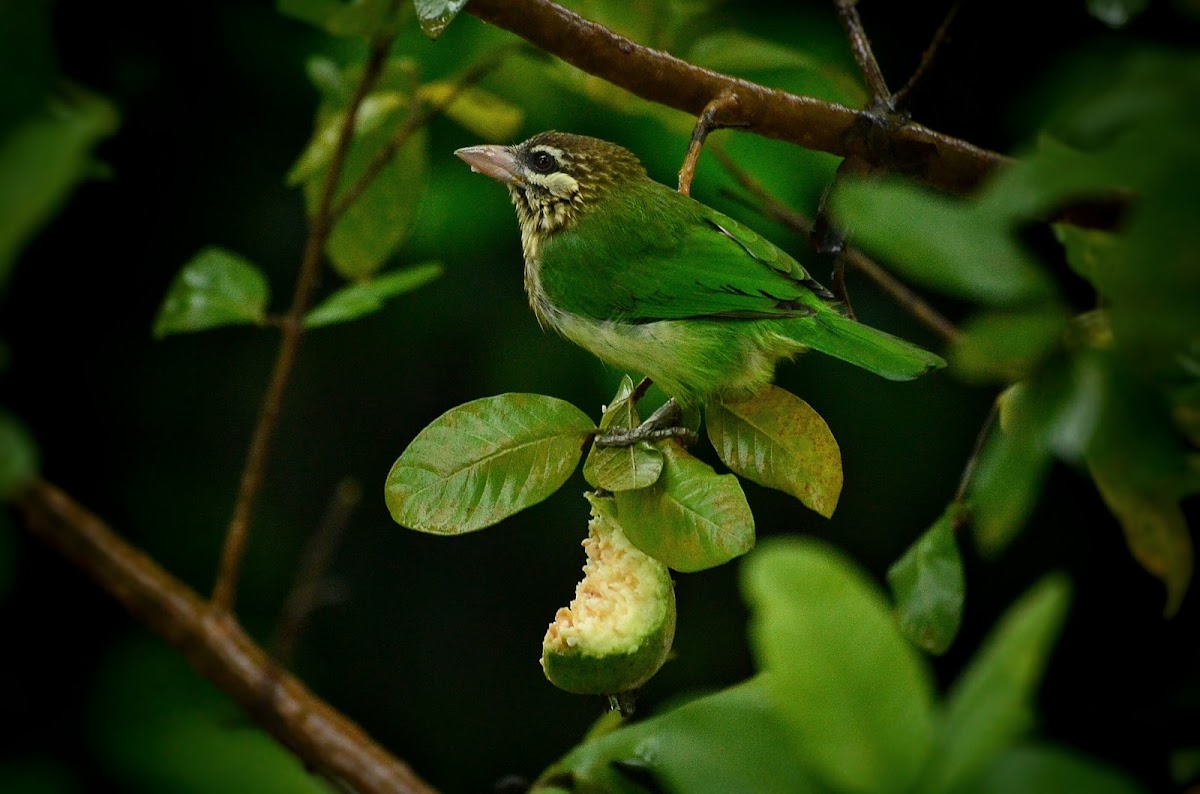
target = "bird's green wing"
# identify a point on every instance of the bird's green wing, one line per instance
(640, 260)
(672, 258)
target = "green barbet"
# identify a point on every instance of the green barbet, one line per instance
(654, 282)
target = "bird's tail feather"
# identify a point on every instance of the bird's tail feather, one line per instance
(874, 350)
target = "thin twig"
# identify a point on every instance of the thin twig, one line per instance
(216, 646)
(238, 532)
(318, 553)
(897, 290)
(902, 97)
(864, 56)
(964, 482)
(937, 159)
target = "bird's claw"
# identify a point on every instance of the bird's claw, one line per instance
(662, 424)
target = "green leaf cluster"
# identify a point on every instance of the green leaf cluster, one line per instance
(484, 461)
(843, 703)
(1112, 387)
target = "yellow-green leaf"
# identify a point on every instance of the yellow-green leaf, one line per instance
(777, 440)
(691, 518)
(479, 111)
(1155, 529)
(485, 460)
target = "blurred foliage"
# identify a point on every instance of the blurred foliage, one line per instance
(225, 140)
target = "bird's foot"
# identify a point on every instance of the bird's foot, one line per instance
(662, 424)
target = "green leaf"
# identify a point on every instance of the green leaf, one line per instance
(1051, 770)
(1143, 470)
(1006, 346)
(676, 749)
(777, 440)
(436, 15)
(376, 110)
(855, 694)
(622, 468)
(18, 456)
(367, 297)
(1055, 411)
(379, 221)
(216, 287)
(42, 159)
(485, 460)
(991, 705)
(475, 109)
(929, 586)
(959, 248)
(691, 518)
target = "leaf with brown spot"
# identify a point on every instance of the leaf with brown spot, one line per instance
(777, 440)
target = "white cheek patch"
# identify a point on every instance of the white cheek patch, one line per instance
(560, 185)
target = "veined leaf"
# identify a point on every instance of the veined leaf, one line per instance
(367, 297)
(929, 586)
(991, 705)
(216, 287)
(483, 461)
(777, 440)
(691, 518)
(855, 694)
(622, 468)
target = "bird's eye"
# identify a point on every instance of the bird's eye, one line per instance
(542, 162)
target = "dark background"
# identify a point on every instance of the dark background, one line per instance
(433, 646)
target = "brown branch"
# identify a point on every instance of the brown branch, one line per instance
(937, 159)
(864, 56)
(254, 471)
(913, 303)
(216, 646)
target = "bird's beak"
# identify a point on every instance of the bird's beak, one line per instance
(494, 161)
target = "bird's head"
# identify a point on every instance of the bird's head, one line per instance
(554, 177)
